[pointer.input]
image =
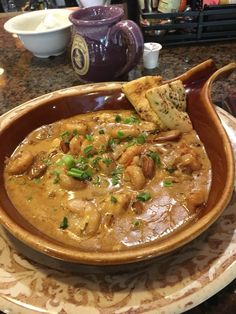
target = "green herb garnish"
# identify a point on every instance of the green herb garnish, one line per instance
(101, 131)
(68, 161)
(95, 161)
(131, 120)
(171, 169)
(141, 139)
(155, 157)
(56, 175)
(116, 174)
(75, 132)
(88, 149)
(120, 134)
(107, 161)
(89, 137)
(65, 134)
(96, 180)
(117, 118)
(64, 223)
(167, 183)
(113, 199)
(81, 175)
(143, 197)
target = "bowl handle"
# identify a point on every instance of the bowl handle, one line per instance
(223, 72)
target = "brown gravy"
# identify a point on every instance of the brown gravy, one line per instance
(108, 180)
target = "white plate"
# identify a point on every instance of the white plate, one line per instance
(173, 284)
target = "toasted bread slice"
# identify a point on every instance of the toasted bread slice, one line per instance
(135, 92)
(166, 110)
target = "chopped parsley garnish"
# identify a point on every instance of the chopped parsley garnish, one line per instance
(101, 131)
(120, 134)
(117, 118)
(171, 169)
(143, 197)
(89, 137)
(155, 157)
(64, 223)
(81, 175)
(107, 161)
(113, 199)
(88, 149)
(141, 139)
(167, 183)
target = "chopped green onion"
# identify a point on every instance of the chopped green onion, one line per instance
(82, 175)
(88, 149)
(64, 223)
(167, 183)
(155, 157)
(56, 175)
(75, 132)
(95, 161)
(131, 120)
(65, 134)
(101, 131)
(107, 161)
(113, 199)
(68, 161)
(117, 118)
(89, 137)
(143, 197)
(120, 134)
(141, 139)
(171, 169)
(96, 180)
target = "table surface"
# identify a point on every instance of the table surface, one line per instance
(23, 77)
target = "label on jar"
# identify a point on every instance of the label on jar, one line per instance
(80, 55)
(166, 6)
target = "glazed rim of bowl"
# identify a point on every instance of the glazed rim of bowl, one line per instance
(10, 25)
(136, 254)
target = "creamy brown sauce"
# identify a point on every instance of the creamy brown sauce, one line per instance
(107, 180)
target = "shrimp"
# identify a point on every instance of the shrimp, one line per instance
(136, 177)
(20, 162)
(75, 144)
(71, 184)
(132, 151)
(85, 217)
(124, 131)
(81, 128)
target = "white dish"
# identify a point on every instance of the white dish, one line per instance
(173, 284)
(45, 32)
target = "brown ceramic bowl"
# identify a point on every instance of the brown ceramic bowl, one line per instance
(17, 123)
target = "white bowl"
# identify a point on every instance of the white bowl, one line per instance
(45, 32)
